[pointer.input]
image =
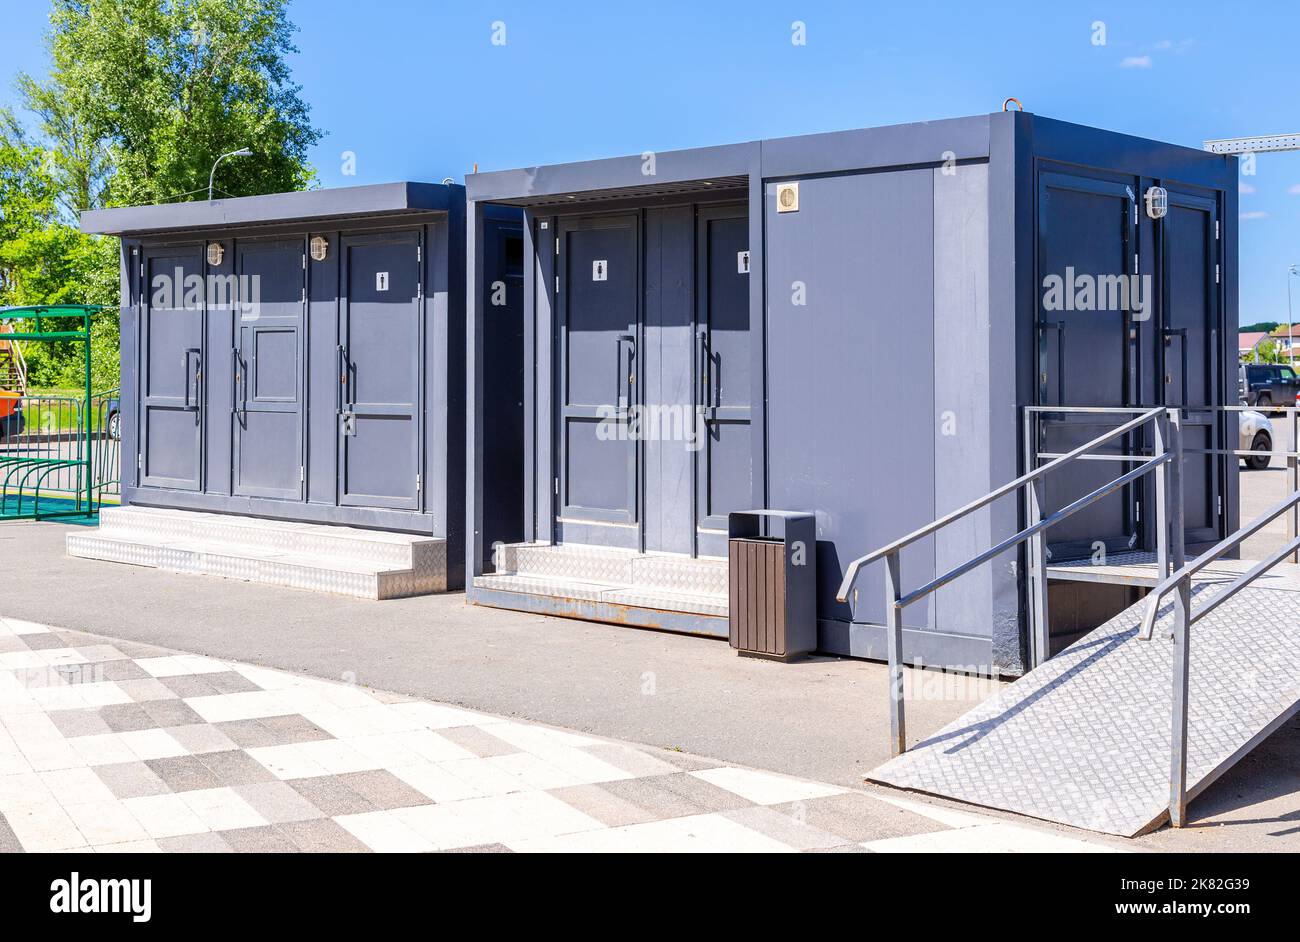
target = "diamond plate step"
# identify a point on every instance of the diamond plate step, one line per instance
(1084, 739)
(618, 576)
(270, 552)
(599, 592)
(395, 549)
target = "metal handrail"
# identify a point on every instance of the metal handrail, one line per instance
(1168, 455)
(1180, 583)
(1029, 477)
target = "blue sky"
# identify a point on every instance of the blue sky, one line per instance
(417, 90)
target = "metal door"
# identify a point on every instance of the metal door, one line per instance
(722, 370)
(1085, 246)
(597, 386)
(268, 457)
(1188, 355)
(380, 372)
(171, 376)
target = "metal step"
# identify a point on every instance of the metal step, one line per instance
(1084, 739)
(617, 577)
(339, 560)
(1141, 569)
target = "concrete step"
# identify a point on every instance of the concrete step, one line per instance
(357, 563)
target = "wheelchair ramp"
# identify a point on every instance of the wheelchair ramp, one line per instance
(1084, 740)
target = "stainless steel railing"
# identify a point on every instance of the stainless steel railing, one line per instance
(1167, 455)
(1180, 583)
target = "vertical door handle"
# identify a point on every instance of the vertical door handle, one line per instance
(191, 403)
(702, 401)
(624, 378)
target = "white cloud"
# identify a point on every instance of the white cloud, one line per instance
(1136, 62)
(1246, 188)
(1165, 44)
(1294, 190)
(1256, 214)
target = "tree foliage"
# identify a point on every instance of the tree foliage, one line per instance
(140, 99)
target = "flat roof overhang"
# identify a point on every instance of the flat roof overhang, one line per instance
(306, 206)
(647, 175)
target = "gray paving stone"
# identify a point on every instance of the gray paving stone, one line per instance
(599, 803)
(97, 652)
(200, 738)
(204, 843)
(235, 767)
(126, 717)
(330, 795)
(230, 682)
(131, 780)
(683, 760)
(478, 849)
(854, 817)
(384, 790)
(789, 829)
(292, 728)
(146, 688)
(277, 802)
(9, 843)
(43, 642)
(478, 741)
(171, 713)
(189, 685)
(322, 836)
(266, 839)
(247, 734)
(675, 795)
(72, 723)
(122, 670)
(183, 773)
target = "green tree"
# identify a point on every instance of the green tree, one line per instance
(143, 95)
(140, 98)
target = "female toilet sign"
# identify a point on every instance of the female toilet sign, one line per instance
(599, 270)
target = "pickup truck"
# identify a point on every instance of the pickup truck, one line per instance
(1268, 385)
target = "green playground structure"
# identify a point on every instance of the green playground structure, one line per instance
(57, 457)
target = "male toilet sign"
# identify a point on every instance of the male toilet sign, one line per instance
(599, 270)
(381, 281)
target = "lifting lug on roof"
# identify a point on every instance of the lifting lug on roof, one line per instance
(1019, 106)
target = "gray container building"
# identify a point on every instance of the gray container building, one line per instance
(298, 357)
(850, 324)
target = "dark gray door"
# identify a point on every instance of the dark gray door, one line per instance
(597, 384)
(1085, 242)
(380, 372)
(171, 375)
(1190, 330)
(268, 412)
(722, 372)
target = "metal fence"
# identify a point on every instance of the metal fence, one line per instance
(51, 464)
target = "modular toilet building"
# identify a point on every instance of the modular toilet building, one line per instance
(293, 386)
(855, 325)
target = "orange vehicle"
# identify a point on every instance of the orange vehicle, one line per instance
(11, 414)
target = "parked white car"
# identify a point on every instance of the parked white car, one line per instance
(1256, 435)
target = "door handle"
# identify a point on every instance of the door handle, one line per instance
(624, 379)
(1059, 327)
(192, 404)
(343, 378)
(702, 399)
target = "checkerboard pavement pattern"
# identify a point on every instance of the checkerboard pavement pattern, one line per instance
(109, 745)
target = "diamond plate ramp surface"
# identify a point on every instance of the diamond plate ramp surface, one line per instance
(1084, 740)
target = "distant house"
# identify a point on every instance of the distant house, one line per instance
(1287, 338)
(1248, 343)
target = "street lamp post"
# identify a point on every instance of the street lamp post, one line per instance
(245, 152)
(1290, 323)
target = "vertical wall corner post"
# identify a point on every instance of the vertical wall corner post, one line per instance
(1181, 631)
(1036, 550)
(894, 634)
(1161, 449)
(474, 399)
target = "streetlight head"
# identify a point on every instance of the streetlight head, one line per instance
(242, 152)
